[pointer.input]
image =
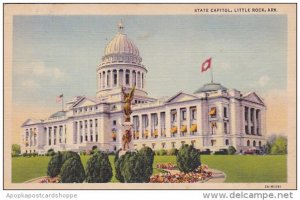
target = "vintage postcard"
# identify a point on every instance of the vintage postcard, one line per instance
(150, 96)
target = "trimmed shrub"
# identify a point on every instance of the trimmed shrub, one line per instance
(54, 165)
(98, 169)
(162, 152)
(221, 152)
(148, 158)
(51, 152)
(188, 158)
(133, 167)
(172, 152)
(118, 165)
(69, 154)
(231, 150)
(72, 171)
(206, 152)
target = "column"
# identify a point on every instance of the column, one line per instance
(104, 78)
(188, 121)
(77, 132)
(130, 78)
(149, 125)
(249, 121)
(178, 121)
(158, 124)
(136, 79)
(94, 130)
(52, 135)
(140, 125)
(168, 122)
(254, 121)
(124, 77)
(47, 136)
(118, 81)
(111, 80)
(88, 131)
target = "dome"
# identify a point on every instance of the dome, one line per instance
(210, 87)
(58, 114)
(121, 44)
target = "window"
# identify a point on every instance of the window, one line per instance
(213, 142)
(227, 142)
(183, 114)
(259, 143)
(225, 112)
(163, 145)
(246, 113)
(193, 114)
(173, 144)
(127, 77)
(182, 143)
(153, 145)
(254, 143)
(225, 128)
(114, 122)
(96, 138)
(248, 143)
(96, 122)
(115, 77)
(174, 115)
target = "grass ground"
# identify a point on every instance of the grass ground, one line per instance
(239, 169)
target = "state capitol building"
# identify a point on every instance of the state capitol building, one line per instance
(213, 117)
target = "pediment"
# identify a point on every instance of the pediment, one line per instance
(181, 97)
(84, 102)
(30, 122)
(253, 97)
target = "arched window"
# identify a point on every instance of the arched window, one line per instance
(103, 85)
(100, 80)
(254, 143)
(259, 143)
(142, 81)
(248, 143)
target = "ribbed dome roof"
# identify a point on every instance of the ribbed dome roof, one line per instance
(121, 44)
(58, 114)
(210, 87)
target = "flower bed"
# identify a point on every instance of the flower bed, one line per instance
(168, 166)
(50, 180)
(200, 174)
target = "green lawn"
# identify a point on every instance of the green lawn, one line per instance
(243, 169)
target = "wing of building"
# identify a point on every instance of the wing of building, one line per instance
(213, 117)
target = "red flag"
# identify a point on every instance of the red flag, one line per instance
(59, 98)
(206, 65)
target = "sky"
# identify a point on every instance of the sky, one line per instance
(59, 54)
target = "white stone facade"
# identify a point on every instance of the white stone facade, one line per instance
(214, 117)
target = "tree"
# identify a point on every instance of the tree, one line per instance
(279, 146)
(54, 165)
(72, 171)
(188, 158)
(98, 169)
(15, 149)
(148, 158)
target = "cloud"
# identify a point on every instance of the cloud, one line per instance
(30, 84)
(144, 35)
(39, 69)
(263, 80)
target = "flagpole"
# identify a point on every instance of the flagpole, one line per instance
(211, 75)
(62, 103)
